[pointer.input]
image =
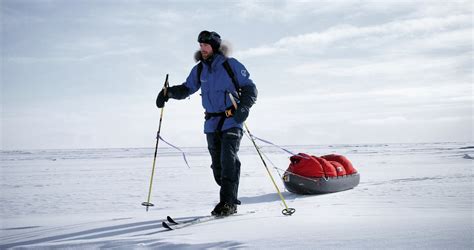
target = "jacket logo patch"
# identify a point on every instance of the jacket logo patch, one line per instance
(244, 72)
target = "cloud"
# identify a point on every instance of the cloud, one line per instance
(286, 11)
(318, 65)
(366, 37)
(402, 120)
(74, 58)
(258, 52)
(380, 121)
(387, 65)
(165, 18)
(269, 11)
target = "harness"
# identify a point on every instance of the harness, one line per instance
(229, 111)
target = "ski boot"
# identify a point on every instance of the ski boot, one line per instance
(224, 209)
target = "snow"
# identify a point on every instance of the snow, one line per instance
(410, 196)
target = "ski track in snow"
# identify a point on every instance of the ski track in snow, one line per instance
(410, 196)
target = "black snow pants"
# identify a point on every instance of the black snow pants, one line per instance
(223, 147)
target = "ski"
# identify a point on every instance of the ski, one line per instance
(172, 224)
(171, 220)
(165, 225)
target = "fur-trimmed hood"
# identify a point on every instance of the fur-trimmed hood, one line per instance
(225, 50)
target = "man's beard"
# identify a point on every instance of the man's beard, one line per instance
(206, 55)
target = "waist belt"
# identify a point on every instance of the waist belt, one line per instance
(223, 115)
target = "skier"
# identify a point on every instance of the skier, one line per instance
(218, 76)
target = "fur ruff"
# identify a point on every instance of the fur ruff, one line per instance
(225, 50)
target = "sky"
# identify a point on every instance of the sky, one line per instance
(85, 74)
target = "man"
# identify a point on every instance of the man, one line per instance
(222, 80)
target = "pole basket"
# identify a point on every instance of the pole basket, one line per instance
(147, 204)
(288, 211)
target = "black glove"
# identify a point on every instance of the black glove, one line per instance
(176, 92)
(241, 114)
(161, 99)
(248, 96)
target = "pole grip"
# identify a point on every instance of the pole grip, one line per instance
(232, 99)
(166, 85)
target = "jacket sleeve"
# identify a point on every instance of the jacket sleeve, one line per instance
(189, 87)
(178, 92)
(192, 82)
(248, 89)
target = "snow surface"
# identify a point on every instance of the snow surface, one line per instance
(410, 196)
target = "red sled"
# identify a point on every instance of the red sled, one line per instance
(320, 175)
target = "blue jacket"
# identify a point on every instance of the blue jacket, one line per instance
(215, 86)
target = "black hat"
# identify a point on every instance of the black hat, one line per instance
(211, 38)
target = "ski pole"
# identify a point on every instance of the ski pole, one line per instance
(147, 203)
(287, 210)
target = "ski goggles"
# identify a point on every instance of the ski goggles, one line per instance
(208, 36)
